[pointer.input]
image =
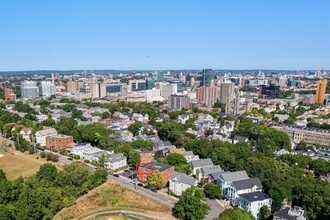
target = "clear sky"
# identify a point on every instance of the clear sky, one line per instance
(164, 34)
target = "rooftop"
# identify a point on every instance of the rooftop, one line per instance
(183, 178)
(247, 183)
(201, 163)
(255, 196)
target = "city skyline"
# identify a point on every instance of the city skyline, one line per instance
(164, 35)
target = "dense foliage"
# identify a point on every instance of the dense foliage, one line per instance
(44, 194)
(235, 214)
(191, 205)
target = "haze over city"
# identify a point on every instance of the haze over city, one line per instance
(137, 35)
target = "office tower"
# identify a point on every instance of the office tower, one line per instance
(282, 81)
(71, 86)
(53, 79)
(46, 89)
(320, 91)
(207, 77)
(103, 90)
(137, 85)
(150, 83)
(9, 94)
(271, 91)
(179, 84)
(160, 76)
(229, 95)
(208, 95)
(167, 89)
(114, 88)
(29, 90)
(178, 102)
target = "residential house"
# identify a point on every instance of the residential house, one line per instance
(179, 182)
(189, 155)
(59, 142)
(238, 138)
(204, 172)
(26, 133)
(183, 118)
(198, 164)
(87, 152)
(115, 162)
(41, 135)
(290, 213)
(239, 187)
(252, 202)
(145, 170)
(226, 178)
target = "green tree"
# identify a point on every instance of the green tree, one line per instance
(47, 172)
(124, 148)
(176, 159)
(235, 214)
(135, 128)
(191, 205)
(157, 180)
(320, 167)
(264, 213)
(133, 158)
(212, 191)
(138, 144)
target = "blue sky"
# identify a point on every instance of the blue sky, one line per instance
(164, 34)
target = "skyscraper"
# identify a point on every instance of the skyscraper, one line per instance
(229, 95)
(178, 102)
(46, 89)
(208, 95)
(207, 77)
(320, 91)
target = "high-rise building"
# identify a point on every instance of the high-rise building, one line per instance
(46, 89)
(167, 89)
(29, 90)
(208, 95)
(150, 83)
(178, 102)
(137, 85)
(9, 94)
(320, 91)
(229, 95)
(207, 77)
(271, 91)
(95, 89)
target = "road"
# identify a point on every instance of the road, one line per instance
(215, 209)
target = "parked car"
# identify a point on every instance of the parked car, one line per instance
(153, 189)
(140, 184)
(70, 158)
(147, 187)
(115, 175)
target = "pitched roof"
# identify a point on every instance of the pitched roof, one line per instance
(47, 131)
(240, 138)
(255, 196)
(247, 183)
(234, 176)
(183, 178)
(201, 163)
(291, 213)
(26, 130)
(115, 158)
(211, 169)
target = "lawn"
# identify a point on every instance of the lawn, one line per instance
(113, 196)
(15, 166)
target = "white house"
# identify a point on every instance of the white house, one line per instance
(239, 187)
(252, 202)
(87, 152)
(226, 178)
(291, 213)
(189, 155)
(183, 118)
(179, 182)
(115, 161)
(197, 164)
(26, 133)
(41, 135)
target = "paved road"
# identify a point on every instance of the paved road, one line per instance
(215, 209)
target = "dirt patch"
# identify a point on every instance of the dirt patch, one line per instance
(112, 196)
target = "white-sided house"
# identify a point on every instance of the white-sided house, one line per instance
(239, 187)
(252, 202)
(189, 155)
(204, 172)
(26, 133)
(41, 135)
(226, 178)
(87, 152)
(115, 161)
(179, 182)
(197, 164)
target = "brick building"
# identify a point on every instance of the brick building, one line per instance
(59, 142)
(9, 94)
(145, 156)
(165, 169)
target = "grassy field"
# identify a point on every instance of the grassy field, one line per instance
(15, 166)
(112, 196)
